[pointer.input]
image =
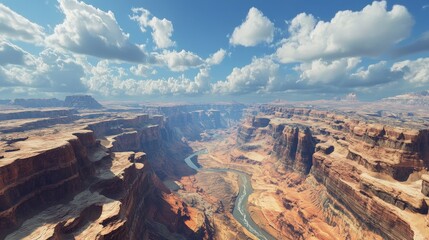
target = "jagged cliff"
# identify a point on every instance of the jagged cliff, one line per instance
(70, 173)
(93, 180)
(365, 173)
(316, 174)
(190, 120)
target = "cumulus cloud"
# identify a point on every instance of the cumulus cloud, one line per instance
(110, 80)
(258, 76)
(91, 31)
(51, 71)
(344, 73)
(217, 57)
(162, 29)
(320, 71)
(141, 70)
(375, 74)
(256, 29)
(263, 75)
(415, 71)
(16, 27)
(179, 61)
(12, 54)
(202, 80)
(368, 32)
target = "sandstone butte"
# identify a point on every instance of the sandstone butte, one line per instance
(118, 172)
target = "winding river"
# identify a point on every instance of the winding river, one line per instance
(240, 212)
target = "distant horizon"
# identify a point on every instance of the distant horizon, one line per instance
(209, 101)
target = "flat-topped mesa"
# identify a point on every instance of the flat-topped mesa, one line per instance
(82, 102)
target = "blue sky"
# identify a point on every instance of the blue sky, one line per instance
(213, 50)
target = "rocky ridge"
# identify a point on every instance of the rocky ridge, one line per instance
(84, 179)
(98, 174)
(371, 170)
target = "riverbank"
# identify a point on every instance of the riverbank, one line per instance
(240, 212)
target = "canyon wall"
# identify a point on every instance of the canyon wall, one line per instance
(95, 180)
(190, 120)
(371, 170)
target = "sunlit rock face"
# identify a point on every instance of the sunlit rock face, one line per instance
(102, 168)
(56, 180)
(370, 168)
(364, 176)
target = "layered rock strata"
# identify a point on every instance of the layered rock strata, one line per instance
(371, 169)
(92, 180)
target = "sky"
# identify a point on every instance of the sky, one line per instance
(224, 50)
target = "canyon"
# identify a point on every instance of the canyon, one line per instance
(308, 170)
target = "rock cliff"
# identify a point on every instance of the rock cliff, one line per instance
(93, 179)
(370, 171)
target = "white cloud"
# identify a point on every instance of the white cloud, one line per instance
(368, 32)
(16, 27)
(254, 30)
(415, 71)
(344, 73)
(375, 74)
(51, 71)
(12, 54)
(162, 29)
(320, 71)
(140, 70)
(203, 79)
(179, 61)
(217, 57)
(91, 31)
(258, 76)
(108, 80)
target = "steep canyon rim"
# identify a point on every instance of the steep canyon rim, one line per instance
(326, 170)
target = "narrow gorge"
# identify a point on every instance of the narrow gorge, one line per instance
(271, 171)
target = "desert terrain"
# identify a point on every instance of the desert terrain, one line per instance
(319, 170)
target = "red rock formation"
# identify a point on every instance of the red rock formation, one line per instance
(116, 191)
(294, 146)
(367, 169)
(39, 178)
